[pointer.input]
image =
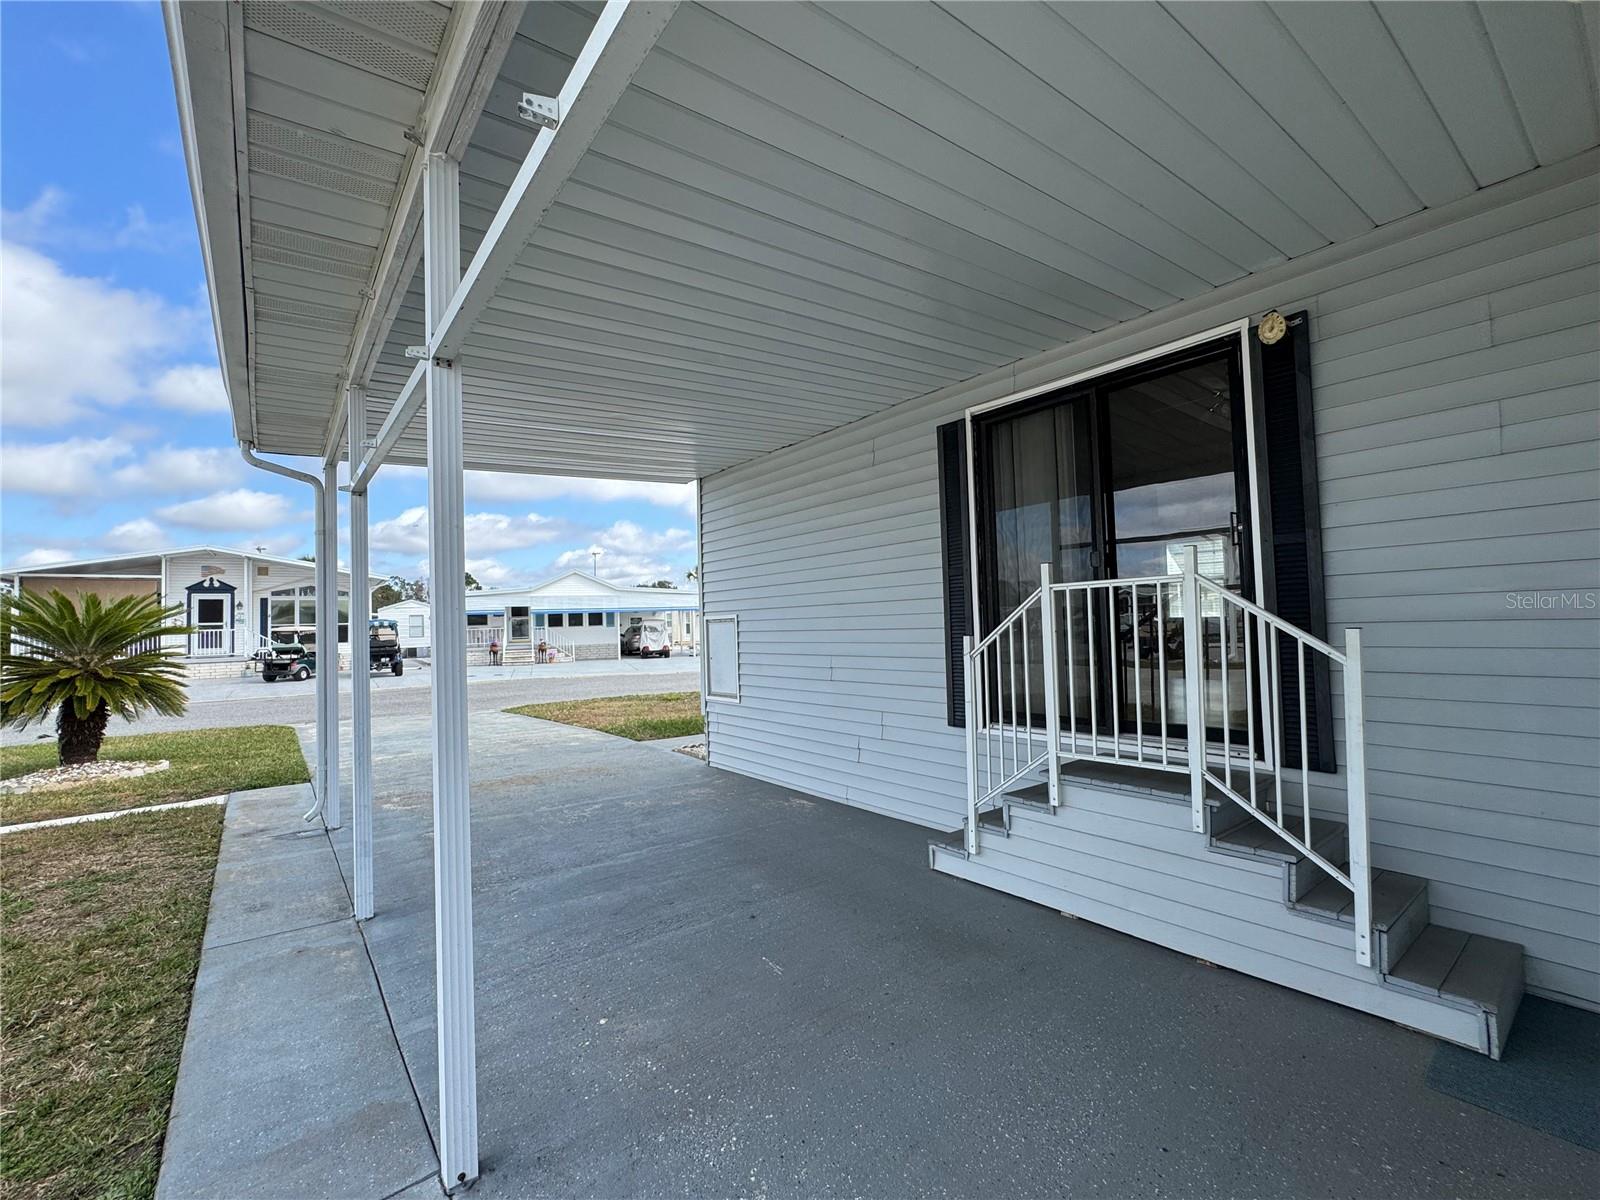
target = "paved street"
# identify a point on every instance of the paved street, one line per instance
(250, 701)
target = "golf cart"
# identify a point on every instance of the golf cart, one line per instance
(294, 651)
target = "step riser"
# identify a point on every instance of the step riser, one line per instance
(1303, 874)
(1481, 986)
(1402, 932)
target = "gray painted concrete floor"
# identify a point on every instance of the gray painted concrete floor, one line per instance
(691, 983)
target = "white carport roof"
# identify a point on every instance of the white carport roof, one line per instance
(758, 222)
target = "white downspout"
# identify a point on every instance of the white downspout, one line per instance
(249, 454)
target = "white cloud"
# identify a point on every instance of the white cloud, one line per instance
(94, 469)
(173, 469)
(491, 485)
(141, 533)
(404, 534)
(491, 572)
(631, 554)
(240, 510)
(47, 222)
(70, 343)
(74, 467)
(487, 533)
(192, 388)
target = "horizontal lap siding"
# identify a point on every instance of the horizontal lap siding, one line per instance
(1458, 421)
(1458, 417)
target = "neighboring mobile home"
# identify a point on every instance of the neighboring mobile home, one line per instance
(412, 617)
(234, 600)
(576, 615)
(1058, 379)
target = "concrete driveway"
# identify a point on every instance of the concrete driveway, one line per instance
(690, 983)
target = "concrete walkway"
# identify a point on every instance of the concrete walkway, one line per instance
(690, 983)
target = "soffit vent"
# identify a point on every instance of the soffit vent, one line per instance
(292, 248)
(315, 175)
(421, 24)
(295, 380)
(269, 134)
(335, 39)
(303, 313)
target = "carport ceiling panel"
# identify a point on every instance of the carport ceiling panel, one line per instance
(323, 179)
(799, 214)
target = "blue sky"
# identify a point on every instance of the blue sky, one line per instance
(114, 431)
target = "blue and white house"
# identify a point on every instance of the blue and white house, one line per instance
(575, 616)
(1151, 446)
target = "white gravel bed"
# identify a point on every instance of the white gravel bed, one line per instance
(55, 779)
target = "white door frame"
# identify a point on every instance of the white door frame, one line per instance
(1240, 329)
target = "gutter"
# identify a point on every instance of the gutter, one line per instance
(248, 452)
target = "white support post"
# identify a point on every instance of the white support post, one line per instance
(360, 670)
(1194, 693)
(452, 828)
(1355, 766)
(1052, 683)
(971, 715)
(327, 577)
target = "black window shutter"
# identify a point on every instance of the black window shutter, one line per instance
(953, 527)
(1292, 587)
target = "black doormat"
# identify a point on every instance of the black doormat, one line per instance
(1549, 1079)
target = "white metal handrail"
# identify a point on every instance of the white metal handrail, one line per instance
(1188, 655)
(1262, 638)
(1002, 744)
(1098, 614)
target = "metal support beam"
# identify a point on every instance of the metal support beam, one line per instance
(327, 578)
(360, 679)
(475, 44)
(452, 829)
(618, 43)
(622, 36)
(405, 408)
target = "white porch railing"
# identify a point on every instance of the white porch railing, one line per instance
(211, 641)
(1191, 664)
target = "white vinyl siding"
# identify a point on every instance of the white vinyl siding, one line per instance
(1455, 379)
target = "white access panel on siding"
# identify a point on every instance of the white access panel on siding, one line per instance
(722, 657)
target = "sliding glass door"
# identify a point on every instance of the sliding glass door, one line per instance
(1114, 479)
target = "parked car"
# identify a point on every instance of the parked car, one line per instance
(294, 655)
(653, 640)
(630, 637)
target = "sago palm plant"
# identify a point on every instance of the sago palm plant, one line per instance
(84, 661)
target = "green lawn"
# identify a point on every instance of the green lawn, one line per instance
(642, 718)
(100, 930)
(205, 762)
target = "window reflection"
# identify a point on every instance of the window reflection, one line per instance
(1116, 481)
